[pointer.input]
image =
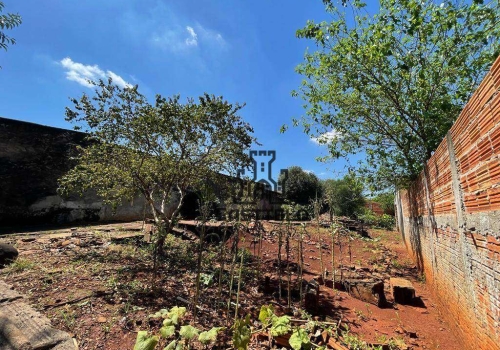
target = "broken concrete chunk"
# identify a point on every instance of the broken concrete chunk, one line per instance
(402, 290)
(368, 290)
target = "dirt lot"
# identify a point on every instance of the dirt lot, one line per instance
(96, 283)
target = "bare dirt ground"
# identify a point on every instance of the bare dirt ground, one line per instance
(96, 283)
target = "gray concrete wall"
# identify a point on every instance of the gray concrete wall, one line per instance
(32, 158)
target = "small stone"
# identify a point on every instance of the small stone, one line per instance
(8, 254)
(101, 319)
(76, 241)
(399, 330)
(65, 243)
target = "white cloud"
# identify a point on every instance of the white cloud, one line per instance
(174, 38)
(81, 73)
(309, 171)
(326, 137)
(193, 37)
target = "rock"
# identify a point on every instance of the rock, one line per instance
(311, 299)
(319, 279)
(24, 328)
(7, 254)
(399, 330)
(402, 290)
(28, 239)
(101, 319)
(65, 243)
(367, 289)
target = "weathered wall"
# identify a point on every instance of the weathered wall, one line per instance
(32, 158)
(375, 207)
(450, 218)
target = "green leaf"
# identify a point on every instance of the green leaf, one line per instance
(176, 313)
(167, 322)
(145, 341)
(209, 336)
(280, 326)
(188, 332)
(171, 345)
(265, 314)
(167, 331)
(159, 314)
(241, 333)
(300, 340)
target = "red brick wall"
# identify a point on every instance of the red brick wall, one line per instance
(375, 207)
(450, 218)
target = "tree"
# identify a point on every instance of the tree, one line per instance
(301, 186)
(159, 150)
(386, 201)
(344, 197)
(391, 84)
(7, 21)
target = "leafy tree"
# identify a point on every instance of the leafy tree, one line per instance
(7, 21)
(386, 201)
(158, 150)
(391, 84)
(344, 197)
(300, 186)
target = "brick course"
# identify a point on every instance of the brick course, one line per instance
(450, 218)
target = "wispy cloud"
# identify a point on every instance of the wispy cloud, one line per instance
(81, 73)
(193, 37)
(326, 137)
(179, 39)
(163, 27)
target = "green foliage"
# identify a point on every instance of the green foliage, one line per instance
(367, 216)
(145, 341)
(381, 221)
(172, 326)
(300, 186)
(209, 336)
(390, 84)
(277, 325)
(280, 325)
(300, 339)
(167, 331)
(293, 211)
(265, 314)
(175, 314)
(344, 197)
(386, 201)
(22, 264)
(157, 150)
(241, 333)
(7, 21)
(188, 332)
(162, 313)
(386, 221)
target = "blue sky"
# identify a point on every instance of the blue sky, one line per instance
(245, 51)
